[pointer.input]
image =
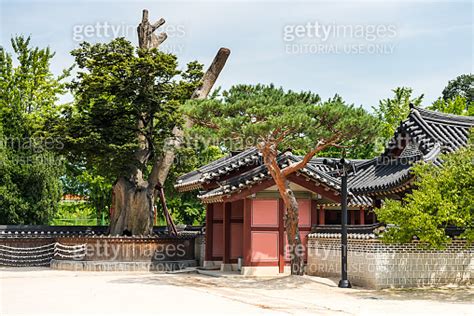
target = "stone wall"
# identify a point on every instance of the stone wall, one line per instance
(200, 249)
(373, 264)
(132, 249)
(99, 253)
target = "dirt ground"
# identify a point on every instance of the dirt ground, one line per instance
(42, 291)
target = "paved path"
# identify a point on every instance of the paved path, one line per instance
(45, 291)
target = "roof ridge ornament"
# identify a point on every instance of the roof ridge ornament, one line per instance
(413, 109)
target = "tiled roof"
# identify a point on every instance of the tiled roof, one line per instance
(386, 175)
(354, 200)
(428, 128)
(338, 236)
(366, 231)
(429, 133)
(260, 173)
(195, 179)
(28, 231)
(376, 177)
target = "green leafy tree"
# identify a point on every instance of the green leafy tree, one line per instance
(125, 123)
(458, 106)
(274, 119)
(127, 104)
(443, 196)
(462, 86)
(392, 111)
(75, 213)
(98, 190)
(457, 97)
(186, 207)
(95, 190)
(30, 188)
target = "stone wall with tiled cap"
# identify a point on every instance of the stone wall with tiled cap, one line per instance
(374, 264)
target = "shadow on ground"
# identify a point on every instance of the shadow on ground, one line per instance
(462, 294)
(447, 294)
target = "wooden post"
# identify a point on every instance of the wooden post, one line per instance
(209, 230)
(362, 216)
(281, 236)
(226, 231)
(314, 213)
(353, 217)
(322, 219)
(247, 251)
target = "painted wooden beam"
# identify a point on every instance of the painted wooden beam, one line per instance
(281, 236)
(362, 216)
(209, 229)
(247, 247)
(226, 231)
(320, 189)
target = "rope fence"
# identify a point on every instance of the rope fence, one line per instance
(39, 256)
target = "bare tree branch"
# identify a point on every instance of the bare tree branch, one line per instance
(321, 145)
(162, 166)
(157, 24)
(146, 37)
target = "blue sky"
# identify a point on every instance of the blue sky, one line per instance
(420, 44)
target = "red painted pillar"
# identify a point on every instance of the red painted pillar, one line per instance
(281, 236)
(247, 247)
(362, 216)
(314, 213)
(209, 230)
(322, 217)
(226, 231)
(353, 218)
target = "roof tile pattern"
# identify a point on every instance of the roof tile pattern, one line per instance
(213, 171)
(429, 134)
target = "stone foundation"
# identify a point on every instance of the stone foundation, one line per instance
(164, 266)
(373, 264)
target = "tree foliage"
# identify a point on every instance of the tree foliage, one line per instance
(75, 213)
(186, 207)
(116, 87)
(88, 184)
(443, 196)
(30, 188)
(457, 97)
(458, 106)
(246, 115)
(462, 86)
(392, 111)
(273, 119)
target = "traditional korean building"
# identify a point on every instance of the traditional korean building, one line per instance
(244, 216)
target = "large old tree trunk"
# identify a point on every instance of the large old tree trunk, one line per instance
(296, 247)
(132, 209)
(134, 197)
